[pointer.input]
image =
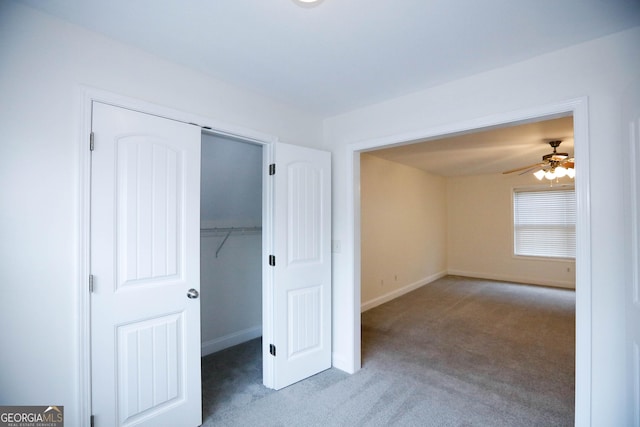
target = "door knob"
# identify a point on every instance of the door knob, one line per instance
(192, 293)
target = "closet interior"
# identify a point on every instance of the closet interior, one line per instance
(230, 242)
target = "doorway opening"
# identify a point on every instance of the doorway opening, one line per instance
(231, 254)
(444, 208)
(578, 109)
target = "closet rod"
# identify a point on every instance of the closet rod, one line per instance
(228, 230)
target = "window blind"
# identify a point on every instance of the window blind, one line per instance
(544, 222)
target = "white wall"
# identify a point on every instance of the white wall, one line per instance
(404, 229)
(230, 290)
(602, 70)
(480, 233)
(44, 62)
(231, 182)
(231, 281)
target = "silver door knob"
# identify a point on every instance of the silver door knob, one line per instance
(192, 293)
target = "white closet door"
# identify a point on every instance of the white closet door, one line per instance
(302, 271)
(145, 252)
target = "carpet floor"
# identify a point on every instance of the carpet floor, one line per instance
(456, 352)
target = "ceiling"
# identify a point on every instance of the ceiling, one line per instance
(345, 54)
(485, 152)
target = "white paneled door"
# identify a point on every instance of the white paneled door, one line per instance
(302, 272)
(145, 252)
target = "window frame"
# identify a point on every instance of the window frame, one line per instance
(558, 187)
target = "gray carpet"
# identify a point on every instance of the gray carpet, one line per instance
(457, 352)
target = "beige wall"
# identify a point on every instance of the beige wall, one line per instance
(480, 233)
(403, 230)
(416, 227)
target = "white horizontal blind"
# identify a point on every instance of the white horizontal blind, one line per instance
(544, 222)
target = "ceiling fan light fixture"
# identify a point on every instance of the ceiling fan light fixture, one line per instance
(308, 3)
(560, 172)
(553, 166)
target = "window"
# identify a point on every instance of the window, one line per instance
(544, 222)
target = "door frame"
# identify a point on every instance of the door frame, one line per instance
(87, 96)
(577, 107)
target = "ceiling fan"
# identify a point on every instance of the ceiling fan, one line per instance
(553, 165)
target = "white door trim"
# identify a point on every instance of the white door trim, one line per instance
(87, 96)
(631, 118)
(579, 109)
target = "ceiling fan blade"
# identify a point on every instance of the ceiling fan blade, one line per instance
(535, 165)
(569, 163)
(538, 166)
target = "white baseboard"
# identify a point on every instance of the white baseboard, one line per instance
(230, 340)
(367, 305)
(515, 279)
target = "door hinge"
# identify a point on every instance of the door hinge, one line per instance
(91, 421)
(91, 283)
(272, 260)
(272, 349)
(272, 169)
(91, 141)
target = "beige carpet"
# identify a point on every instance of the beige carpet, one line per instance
(457, 352)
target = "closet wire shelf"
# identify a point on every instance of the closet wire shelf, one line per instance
(227, 232)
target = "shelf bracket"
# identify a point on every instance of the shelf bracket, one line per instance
(223, 242)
